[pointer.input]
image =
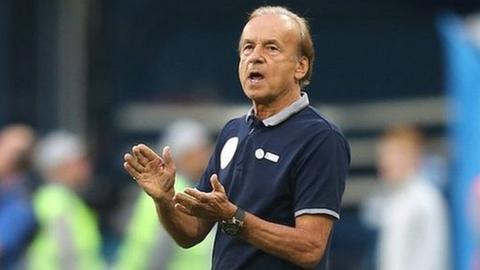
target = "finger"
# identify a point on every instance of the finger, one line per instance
(200, 196)
(132, 161)
(131, 171)
(183, 209)
(147, 152)
(216, 185)
(167, 155)
(143, 160)
(185, 200)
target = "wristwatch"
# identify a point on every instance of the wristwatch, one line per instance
(233, 225)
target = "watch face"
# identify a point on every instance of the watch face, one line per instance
(230, 229)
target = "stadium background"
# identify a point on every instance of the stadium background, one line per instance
(116, 71)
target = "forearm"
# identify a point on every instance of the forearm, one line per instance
(290, 243)
(186, 230)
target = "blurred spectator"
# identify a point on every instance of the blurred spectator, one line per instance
(147, 245)
(68, 236)
(409, 212)
(17, 221)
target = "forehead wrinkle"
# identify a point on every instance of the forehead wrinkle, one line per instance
(289, 25)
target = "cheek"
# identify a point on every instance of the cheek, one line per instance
(241, 68)
(286, 69)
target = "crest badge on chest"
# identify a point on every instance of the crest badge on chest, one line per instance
(228, 151)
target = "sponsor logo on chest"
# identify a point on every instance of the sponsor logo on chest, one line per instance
(262, 154)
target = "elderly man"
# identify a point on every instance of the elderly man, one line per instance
(275, 180)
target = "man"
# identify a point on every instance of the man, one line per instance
(68, 236)
(17, 221)
(408, 210)
(275, 180)
(146, 244)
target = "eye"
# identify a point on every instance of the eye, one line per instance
(247, 48)
(272, 49)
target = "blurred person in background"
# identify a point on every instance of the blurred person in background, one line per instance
(146, 244)
(17, 221)
(282, 162)
(408, 211)
(68, 236)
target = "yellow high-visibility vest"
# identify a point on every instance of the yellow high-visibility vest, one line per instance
(68, 236)
(148, 246)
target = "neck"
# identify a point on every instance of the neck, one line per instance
(264, 110)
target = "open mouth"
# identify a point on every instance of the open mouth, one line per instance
(255, 76)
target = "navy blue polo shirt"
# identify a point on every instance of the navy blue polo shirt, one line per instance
(290, 164)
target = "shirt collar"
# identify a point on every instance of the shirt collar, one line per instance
(284, 114)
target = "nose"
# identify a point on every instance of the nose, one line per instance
(256, 57)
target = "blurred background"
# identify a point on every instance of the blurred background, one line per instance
(116, 73)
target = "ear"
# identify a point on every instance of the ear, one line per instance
(302, 68)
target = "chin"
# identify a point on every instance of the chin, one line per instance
(257, 95)
(264, 100)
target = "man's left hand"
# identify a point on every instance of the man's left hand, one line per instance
(213, 205)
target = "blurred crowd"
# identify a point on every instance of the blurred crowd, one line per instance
(47, 180)
(45, 222)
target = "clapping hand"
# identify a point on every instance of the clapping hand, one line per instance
(154, 173)
(213, 205)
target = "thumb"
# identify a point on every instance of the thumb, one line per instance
(216, 185)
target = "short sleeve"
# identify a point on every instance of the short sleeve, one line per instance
(320, 175)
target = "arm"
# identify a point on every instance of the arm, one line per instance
(186, 230)
(156, 175)
(303, 245)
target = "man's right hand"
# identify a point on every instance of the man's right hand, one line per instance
(154, 173)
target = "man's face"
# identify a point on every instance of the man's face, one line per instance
(269, 58)
(76, 173)
(14, 142)
(397, 159)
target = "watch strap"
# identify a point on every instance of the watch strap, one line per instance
(239, 215)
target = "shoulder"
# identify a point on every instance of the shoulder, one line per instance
(426, 195)
(320, 121)
(51, 193)
(50, 201)
(235, 124)
(232, 128)
(310, 123)
(417, 200)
